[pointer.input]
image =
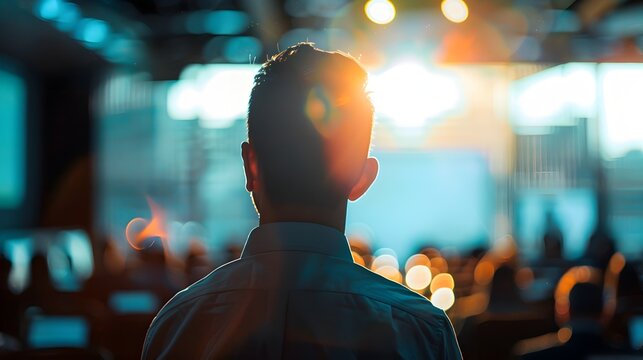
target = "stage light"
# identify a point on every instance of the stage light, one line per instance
(380, 11)
(225, 95)
(456, 11)
(409, 95)
(215, 94)
(183, 101)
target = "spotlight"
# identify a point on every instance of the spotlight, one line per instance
(456, 11)
(380, 11)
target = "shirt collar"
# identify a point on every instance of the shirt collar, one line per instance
(297, 236)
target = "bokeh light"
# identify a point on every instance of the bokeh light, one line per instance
(380, 11)
(389, 272)
(456, 11)
(443, 298)
(384, 260)
(417, 259)
(483, 272)
(418, 277)
(441, 281)
(564, 334)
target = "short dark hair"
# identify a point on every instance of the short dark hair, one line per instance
(309, 120)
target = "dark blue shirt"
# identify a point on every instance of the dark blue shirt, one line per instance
(296, 293)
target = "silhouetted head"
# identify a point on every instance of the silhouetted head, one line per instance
(309, 130)
(504, 290)
(5, 270)
(628, 282)
(585, 301)
(40, 276)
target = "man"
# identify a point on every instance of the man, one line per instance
(295, 292)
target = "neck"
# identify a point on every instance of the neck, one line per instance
(335, 218)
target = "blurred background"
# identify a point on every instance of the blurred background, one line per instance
(509, 135)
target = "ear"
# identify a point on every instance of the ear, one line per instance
(366, 178)
(250, 166)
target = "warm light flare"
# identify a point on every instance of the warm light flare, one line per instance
(140, 231)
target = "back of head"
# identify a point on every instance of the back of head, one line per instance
(310, 123)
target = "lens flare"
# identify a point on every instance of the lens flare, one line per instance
(140, 232)
(381, 12)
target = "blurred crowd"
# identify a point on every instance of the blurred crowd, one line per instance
(501, 306)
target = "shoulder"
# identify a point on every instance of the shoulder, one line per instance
(399, 297)
(210, 285)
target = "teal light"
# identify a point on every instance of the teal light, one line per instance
(221, 22)
(92, 31)
(48, 9)
(13, 95)
(242, 49)
(68, 18)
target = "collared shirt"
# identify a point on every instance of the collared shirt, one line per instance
(296, 293)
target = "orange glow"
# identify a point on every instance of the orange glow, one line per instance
(139, 230)
(443, 280)
(440, 263)
(614, 268)
(390, 273)
(573, 276)
(617, 263)
(484, 272)
(318, 109)
(564, 334)
(417, 259)
(358, 259)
